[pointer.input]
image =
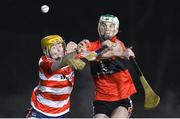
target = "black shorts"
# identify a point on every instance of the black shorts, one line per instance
(106, 107)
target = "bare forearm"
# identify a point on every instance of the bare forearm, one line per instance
(114, 51)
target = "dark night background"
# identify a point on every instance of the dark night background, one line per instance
(150, 26)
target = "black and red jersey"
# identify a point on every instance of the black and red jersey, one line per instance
(112, 79)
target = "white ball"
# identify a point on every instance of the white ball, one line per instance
(44, 8)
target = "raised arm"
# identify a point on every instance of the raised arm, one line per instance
(69, 59)
(116, 50)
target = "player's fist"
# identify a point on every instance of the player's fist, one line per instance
(107, 43)
(71, 47)
(83, 45)
(128, 53)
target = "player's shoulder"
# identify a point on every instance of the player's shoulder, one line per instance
(44, 58)
(93, 45)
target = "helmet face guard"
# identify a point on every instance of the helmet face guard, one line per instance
(112, 28)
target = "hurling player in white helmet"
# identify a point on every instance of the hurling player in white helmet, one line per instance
(108, 27)
(113, 83)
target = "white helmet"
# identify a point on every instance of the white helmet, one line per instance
(108, 18)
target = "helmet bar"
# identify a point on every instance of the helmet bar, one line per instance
(109, 18)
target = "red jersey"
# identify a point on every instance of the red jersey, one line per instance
(52, 96)
(112, 79)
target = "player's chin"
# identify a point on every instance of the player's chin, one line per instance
(60, 56)
(56, 56)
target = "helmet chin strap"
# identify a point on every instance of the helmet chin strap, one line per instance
(47, 52)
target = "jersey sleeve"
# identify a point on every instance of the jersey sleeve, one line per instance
(93, 46)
